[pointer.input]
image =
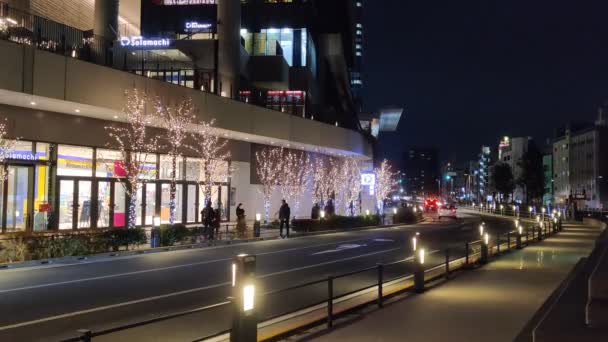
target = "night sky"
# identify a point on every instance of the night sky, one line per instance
(469, 72)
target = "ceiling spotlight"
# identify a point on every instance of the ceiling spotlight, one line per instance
(77, 110)
(33, 103)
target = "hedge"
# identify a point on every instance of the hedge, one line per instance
(45, 246)
(335, 222)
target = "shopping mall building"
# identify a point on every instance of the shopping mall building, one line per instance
(270, 72)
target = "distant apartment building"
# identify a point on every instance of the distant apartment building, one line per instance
(421, 169)
(481, 174)
(548, 178)
(580, 166)
(511, 151)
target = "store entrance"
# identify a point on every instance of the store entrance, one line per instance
(17, 192)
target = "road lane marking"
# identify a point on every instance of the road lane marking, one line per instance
(340, 248)
(179, 293)
(117, 275)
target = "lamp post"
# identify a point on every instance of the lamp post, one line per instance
(244, 317)
(419, 271)
(520, 232)
(484, 249)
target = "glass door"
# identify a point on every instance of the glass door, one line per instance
(16, 193)
(75, 203)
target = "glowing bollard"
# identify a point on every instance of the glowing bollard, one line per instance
(419, 271)
(541, 227)
(244, 317)
(518, 237)
(484, 249)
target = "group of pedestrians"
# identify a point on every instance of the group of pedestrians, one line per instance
(211, 219)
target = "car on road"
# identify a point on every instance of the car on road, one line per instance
(447, 210)
(430, 205)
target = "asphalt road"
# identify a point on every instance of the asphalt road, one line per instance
(51, 303)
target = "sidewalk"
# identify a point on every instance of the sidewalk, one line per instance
(491, 303)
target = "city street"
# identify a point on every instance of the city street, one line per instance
(51, 303)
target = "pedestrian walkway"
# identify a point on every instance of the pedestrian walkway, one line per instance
(492, 303)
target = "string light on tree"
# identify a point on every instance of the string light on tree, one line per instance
(135, 144)
(269, 167)
(213, 155)
(177, 121)
(385, 183)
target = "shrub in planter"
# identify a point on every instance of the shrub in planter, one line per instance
(335, 222)
(172, 234)
(115, 238)
(13, 250)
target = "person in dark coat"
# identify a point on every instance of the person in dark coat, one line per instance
(241, 225)
(207, 219)
(315, 212)
(284, 214)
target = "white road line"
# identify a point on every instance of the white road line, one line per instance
(117, 275)
(173, 294)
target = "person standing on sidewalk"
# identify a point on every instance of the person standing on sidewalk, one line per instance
(207, 218)
(284, 214)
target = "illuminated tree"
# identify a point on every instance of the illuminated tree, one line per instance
(322, 182)
(269, 168)
(352, 184)
(6, 147)
(177, 121)
(386, 181)
(211, 149)
(135, 144)
(296, 177)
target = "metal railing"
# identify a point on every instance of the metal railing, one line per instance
(395, 274)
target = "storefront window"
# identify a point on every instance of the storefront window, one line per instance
(193, 169)
(41, 205)
(120, 206)
(43, 151)
(109, 164)
(74, 161)
(166, 167)
(149, 169)
(192, 204)
(103, 204)
(165, 203)
(22, 150)
(150, 203)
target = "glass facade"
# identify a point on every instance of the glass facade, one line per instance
(290, 43)
(54, 186)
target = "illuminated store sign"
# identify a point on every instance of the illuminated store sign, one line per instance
(141, 42)
(369, 179)
(196, 26)
(184, 2)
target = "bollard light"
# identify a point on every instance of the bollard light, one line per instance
(248, 295)
(520, 230)
(245, 321)
(537, 218)
(322, 214)
(530, 209)
(395, 211)
(543, 210)
(481, 229)
(421, 256)
(366, 211)
(258, 217)
(414, 241)
(516, 223)
(415, 209)
(486, 239)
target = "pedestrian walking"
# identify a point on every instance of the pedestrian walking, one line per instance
(315, 212)
(284, 214)
(241, 225)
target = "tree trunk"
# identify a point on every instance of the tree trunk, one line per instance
(172, 189)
